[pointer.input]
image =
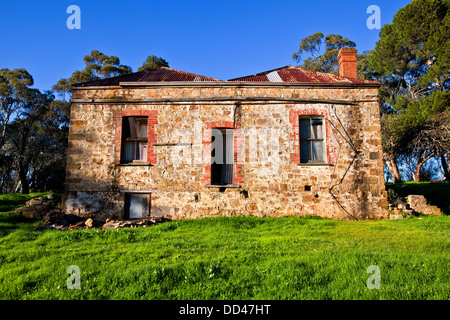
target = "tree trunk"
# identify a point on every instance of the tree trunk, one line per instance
(24, 181)
(392, 165)
(445, 167)
(417, 177)
(421, 159)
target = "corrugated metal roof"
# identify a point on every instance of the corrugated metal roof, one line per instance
(274, 77)
(294, 74)
(162, 74)
(287, 74)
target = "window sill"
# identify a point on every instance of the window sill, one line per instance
(222, 186)
(315, 164)
(134, 164)
(138, 191)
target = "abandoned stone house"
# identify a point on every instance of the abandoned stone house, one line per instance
(169, 143)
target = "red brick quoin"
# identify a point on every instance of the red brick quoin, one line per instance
(238, 177)
(152, 137)
(331, 156)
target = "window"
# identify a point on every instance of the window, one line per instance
(137, 205)
(222, 156)
(311, 140)
(134, 139)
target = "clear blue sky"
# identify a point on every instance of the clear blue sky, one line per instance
(221, 39)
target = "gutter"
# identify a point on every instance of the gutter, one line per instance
(239, 84)
(219, 100)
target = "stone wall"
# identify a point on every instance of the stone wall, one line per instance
(269, 180)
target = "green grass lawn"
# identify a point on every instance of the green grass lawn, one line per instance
(229, 258)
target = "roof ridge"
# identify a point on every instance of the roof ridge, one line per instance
(188, 73)
(261, 73)
(110, 78)
(319, 74)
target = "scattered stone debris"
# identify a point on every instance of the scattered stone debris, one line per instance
(49, 209)
(38, 208)
(69, 224)
(412, 205)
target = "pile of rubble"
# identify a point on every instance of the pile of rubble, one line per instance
(37, 208)
(411, 205)
(49, 209)
(71, 222)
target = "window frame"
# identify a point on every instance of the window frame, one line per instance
(136, 142)
(127, 205)
(225, 132)
(309, 139)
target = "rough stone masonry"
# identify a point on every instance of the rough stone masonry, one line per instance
(298, 143)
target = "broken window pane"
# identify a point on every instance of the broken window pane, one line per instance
(304, 129)
(316, 129)
(134, 139)
(304, 151)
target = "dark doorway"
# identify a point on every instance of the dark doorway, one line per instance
(222, 156)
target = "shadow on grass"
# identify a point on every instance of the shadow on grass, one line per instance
(8, 203)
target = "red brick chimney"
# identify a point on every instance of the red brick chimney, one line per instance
(347, 62)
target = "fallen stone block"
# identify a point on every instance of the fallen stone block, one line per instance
(111, 225)
(29, 212)
(89, 223)
(418, 203)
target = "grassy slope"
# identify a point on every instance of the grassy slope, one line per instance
(230, 258)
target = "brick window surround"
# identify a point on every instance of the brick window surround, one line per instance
(294, 116)
(152, 137)
(238, 177)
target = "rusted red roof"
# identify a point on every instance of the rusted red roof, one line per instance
(294, 74)
(162, 74)
(288, 74)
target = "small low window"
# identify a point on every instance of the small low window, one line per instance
(311, 140)
(137, 206)
(134, 139)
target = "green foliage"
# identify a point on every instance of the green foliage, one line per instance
(412, 60)
(153, 62)
(415, 48)
(33, 133)
(14, 86)
(393, 197)
(98, 66)
(311, 48)
(412, 55)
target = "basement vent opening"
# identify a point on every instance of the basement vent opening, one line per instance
(137, 206)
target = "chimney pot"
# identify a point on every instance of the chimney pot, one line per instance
(347, 62)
